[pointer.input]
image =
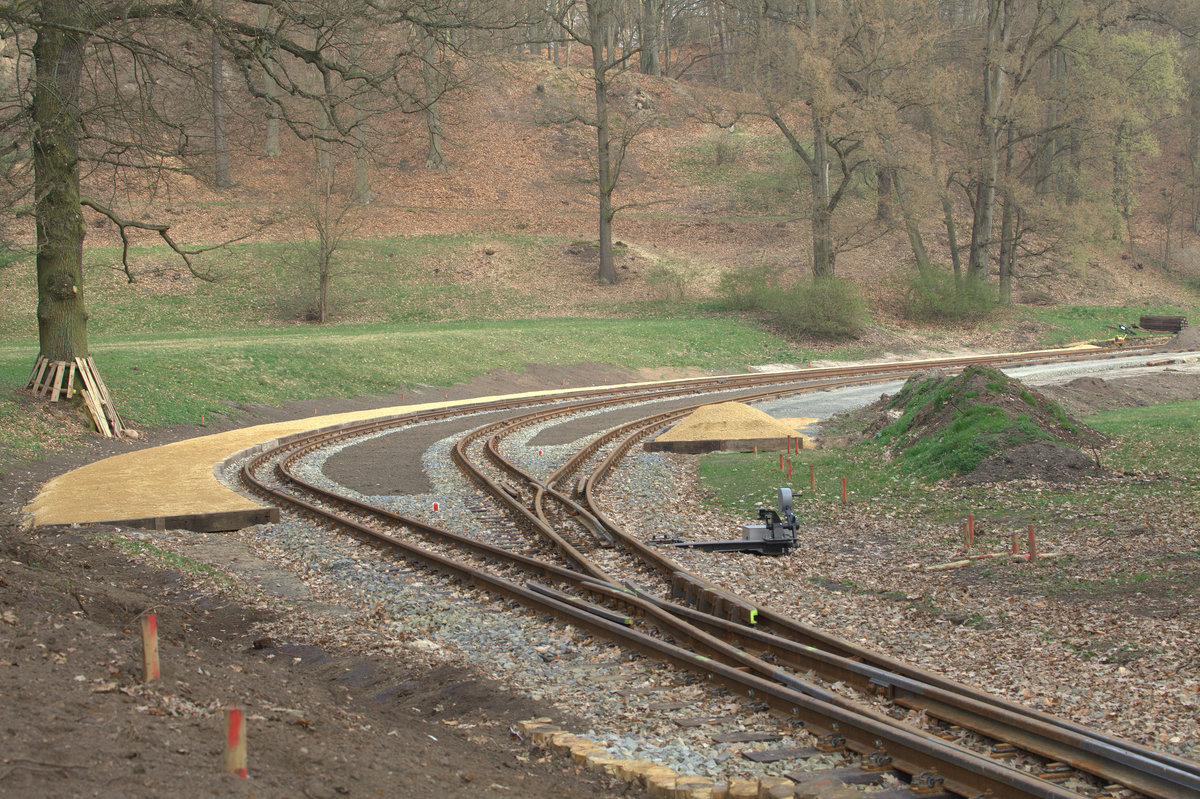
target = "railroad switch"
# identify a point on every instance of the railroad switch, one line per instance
(775, 536)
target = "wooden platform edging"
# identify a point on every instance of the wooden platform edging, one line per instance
(216, 522)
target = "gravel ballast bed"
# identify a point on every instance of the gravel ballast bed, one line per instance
(1127, 675)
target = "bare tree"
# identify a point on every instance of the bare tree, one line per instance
(119, 118)
(595, 24)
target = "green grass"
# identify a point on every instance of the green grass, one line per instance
(413, 279)
(1156, 446)
(1069, 324)
(164, 557)
(176, 378)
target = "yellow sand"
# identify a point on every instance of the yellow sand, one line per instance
(727, 421)
(180, 479)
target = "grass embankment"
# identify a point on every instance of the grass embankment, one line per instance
(178, 378)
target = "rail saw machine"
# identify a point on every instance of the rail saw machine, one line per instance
(775, 536)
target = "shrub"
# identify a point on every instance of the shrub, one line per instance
(667, 283)
(827, 308)
(749, 289)
(933, 296)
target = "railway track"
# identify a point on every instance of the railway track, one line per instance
(541, 540)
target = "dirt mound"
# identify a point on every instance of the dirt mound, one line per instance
(1186, 339)
(984, 424)
(727, 420)
(1085, 395)
(1041, 460)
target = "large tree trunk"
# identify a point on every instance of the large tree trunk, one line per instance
(58, 56)
(652, 37)
(1008, 250)
(911, 225)
(271, 146)
(608, 270)
(221, 178)
(990, 126)
(433, 83)
(822, 213)
(883, 194)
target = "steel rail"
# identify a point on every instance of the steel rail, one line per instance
(681, 387)
(964, 772)
(1149, 771)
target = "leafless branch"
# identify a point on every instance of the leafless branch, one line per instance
(124, 225)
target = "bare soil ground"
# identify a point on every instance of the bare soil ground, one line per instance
(323, 722)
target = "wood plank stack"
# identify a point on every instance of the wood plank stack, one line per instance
(1163, 324)
(57, 380)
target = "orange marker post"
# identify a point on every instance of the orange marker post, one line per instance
(1032, 545)
(235, 742)
(149, 647)
(970, 530)
(843, 490)
(812, 478)
(789, 469)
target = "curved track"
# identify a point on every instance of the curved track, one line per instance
(546, 544)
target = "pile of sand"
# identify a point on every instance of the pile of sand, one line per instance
(729, 421)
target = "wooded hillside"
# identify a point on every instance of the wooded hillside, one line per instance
(1019, 150)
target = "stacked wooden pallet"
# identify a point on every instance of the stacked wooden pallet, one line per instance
(57, 379)
(1163, 324)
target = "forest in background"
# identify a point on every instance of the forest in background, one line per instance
(987, 135)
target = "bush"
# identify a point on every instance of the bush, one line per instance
(668, 284)
(933, 297)
(826, 308)
(749, 289)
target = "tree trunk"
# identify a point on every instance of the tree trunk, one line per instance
(1122, 182)
(608, 270)
(434, 157)
(952, 235)
(990, 125)
(271, 146)
(822, 213)
(652, 36)
(1008, 229)
(1008, 249)
(221, 177)
(912, 227)
(58, 57)
(883, 194)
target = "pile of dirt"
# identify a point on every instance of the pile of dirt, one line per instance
(1085, 395)
(728, 420)
(982, 426)
(1186, 339)
(1042, 460)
